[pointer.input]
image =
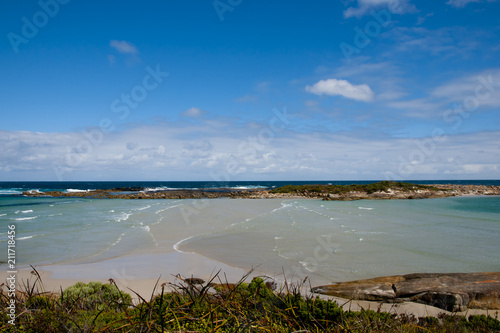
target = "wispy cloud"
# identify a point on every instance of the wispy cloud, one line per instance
(394, 6)
(483, 86)
(460, 3)
(344, 88)
(124, 47)
(474, 91)
(197, 152)
(444, 42)
(247, 99)
(463, 3)
(193, 113)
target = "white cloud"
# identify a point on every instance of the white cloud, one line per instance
(225, 150)
(463, 3)
(192, 113)
(343, 88)
(394, 6)
(444, 42)
(460, 3)
(482, 89)
(123, 47)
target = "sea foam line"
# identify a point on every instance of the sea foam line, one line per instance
(176, 245)
(25, 218)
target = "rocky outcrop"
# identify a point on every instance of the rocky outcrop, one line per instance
(419, 192)
(451, 292)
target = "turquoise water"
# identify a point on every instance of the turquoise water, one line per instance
(325, 240)
(60, 230)
(337, 241)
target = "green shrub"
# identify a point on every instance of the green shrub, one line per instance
(95, 296)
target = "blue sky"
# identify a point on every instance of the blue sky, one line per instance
(249, 90)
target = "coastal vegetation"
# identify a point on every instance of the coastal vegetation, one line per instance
(193, 305)
(384, 186)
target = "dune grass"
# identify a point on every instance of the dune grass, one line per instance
(196, 306)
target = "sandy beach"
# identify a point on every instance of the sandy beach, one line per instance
(200, 238)
(132, 275)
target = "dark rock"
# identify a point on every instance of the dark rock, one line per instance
(451, 292)
(448, 301)
(192, 281)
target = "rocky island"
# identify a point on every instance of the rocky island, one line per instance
(380, 190)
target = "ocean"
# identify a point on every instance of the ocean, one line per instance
(325, 240)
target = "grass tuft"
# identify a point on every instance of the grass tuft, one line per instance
(193, 305)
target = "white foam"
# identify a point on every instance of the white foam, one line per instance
(365, 208)
(9, 192)
(167, 208)
(308, 266)
(26, 218)
(179, 243)
(34, 191)
(3, 214)
(143, 208)
(122, 217)
(27, 211)
(71, 190)
(146, 228)
(23, 238)
(249, 187)
(283, 205)
(162, 188)
(117, 241)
